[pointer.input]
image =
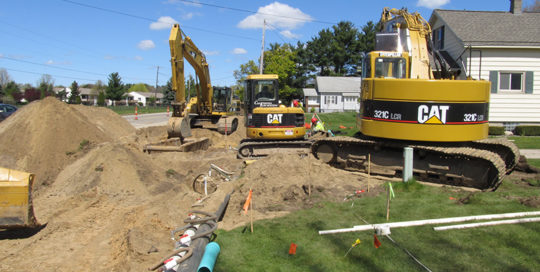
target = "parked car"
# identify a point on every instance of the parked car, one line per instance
(6, 110)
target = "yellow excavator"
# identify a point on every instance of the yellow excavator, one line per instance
(404, 102)
(270, 126)
(16, 210)
(211, 107)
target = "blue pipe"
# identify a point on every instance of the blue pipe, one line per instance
(208, 261)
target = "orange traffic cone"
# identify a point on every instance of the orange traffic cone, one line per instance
(136, 118)
(167, 111)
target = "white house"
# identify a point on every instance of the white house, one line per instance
(505, 50)
(335, 94)
(88, 96)
(143, 97)
(311, 100)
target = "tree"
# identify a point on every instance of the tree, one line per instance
(101, 99)
(191, 86)
(140, 87)
(62, 95)
(74, 98)
(280, 60)
(367, 37)
(4, 78)
(246, 69)
(98, 87)
(168, 95)
(31, 94)
(115, 87)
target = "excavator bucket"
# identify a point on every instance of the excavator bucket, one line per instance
(16, 210)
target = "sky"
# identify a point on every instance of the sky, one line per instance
(85, 41)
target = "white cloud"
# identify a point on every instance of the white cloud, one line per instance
(146, 45)
(188, 16)
(210, 53)
(138, 58)
(164, 22)
(288, 17)
(289, 34)
(52, 62)
(239, 51)
(432, 3)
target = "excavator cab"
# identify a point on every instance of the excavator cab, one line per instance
(382, 64)
(221, 100)
(16, 210)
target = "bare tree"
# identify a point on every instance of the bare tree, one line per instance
(46, 80)
(4, 78)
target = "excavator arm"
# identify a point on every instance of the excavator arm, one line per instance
(182, 47)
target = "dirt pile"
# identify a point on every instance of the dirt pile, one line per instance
(43, 136)
(109, 207)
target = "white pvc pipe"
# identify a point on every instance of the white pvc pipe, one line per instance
(432, 222)
(490, 223)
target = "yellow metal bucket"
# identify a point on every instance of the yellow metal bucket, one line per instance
(16, 210)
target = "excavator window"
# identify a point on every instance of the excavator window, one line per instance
(264, 91)
(390, 67)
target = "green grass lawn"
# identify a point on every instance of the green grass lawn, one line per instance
(333, 121)
(127, 110)
(494, 248)
(526, 142)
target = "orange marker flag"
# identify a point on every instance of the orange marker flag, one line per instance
(292, 249)
(248, 200)
(376, 241)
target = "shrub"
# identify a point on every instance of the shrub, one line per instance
(496, 131)
(527, 130)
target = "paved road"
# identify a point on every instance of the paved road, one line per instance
(148, 120)
(530, 153)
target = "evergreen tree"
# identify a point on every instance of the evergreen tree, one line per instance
(169, 95)
(115, 87)
(74, 98)
(101, 99)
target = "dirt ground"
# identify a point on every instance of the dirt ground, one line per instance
(108, 206)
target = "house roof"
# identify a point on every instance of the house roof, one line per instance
(310, 92)
(338, 84)
(491, 28)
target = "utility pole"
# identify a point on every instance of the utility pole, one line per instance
(155, 91)
(262, 50)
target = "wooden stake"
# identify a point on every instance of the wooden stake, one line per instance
(388, 204)
(251, 212)
(368, 170)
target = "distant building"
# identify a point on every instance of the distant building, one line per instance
(333, 94)
(505, 50)
(88, 96)
(143, 97)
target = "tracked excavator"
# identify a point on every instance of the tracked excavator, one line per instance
(410, 98)
(270, 127)
(211, 107)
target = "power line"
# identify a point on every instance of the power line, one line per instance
(28, 72)
(255, 12)
(62, 68)
(154, 20)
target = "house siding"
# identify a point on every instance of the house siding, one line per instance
(505, 106)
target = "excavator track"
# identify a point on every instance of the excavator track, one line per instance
(507, 150)
(254, 149)
(467, 166)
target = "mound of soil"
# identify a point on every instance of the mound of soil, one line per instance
(43, 136)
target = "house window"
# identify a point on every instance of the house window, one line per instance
(330, 99)
(349, 98)
(511, 81)
(438, 38)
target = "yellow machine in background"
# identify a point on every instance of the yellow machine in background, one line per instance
(210, 108)
(404, 103)
(270, 127)
(16, 210)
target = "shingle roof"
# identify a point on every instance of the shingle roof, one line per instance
(149, 94)
(491, 27)
(338, 84)
(310, 92)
